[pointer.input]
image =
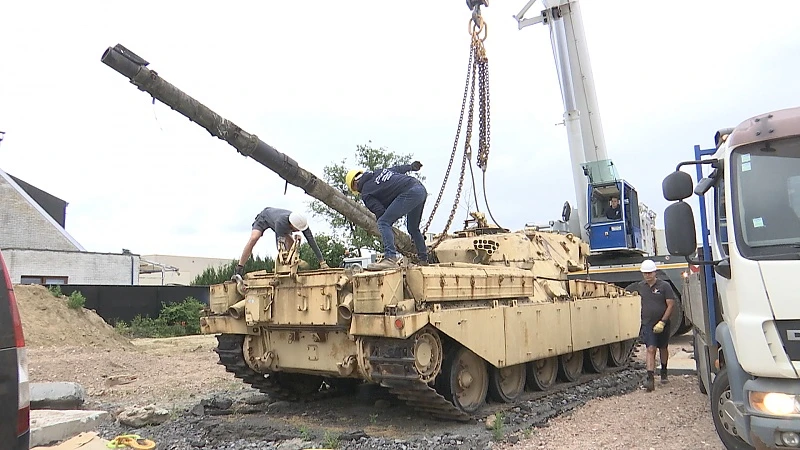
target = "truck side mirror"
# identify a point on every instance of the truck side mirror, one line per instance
(704, 185)
(677, 186)
(679, 228)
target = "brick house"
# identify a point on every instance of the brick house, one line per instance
(38, 249)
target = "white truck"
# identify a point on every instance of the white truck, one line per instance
(738, 293)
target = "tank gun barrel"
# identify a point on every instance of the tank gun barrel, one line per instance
(135, 69)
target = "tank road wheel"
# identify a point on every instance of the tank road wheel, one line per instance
(570, 366)
(506, 384)
(427, 354)
(596, 358)
(467, 381)
(542, 373)
(619, 352)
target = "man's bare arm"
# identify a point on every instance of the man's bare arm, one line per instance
(255, 235)
(668, 312)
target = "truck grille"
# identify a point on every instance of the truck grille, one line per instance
(789, 331)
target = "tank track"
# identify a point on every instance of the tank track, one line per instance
(231, 356)
(392, 365)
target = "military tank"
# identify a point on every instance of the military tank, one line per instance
(495, 313)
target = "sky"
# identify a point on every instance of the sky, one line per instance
(316, 79)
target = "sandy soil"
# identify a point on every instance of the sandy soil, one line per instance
(163, 371)
(674, 416)
(47, 322)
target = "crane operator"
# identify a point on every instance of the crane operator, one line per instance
(613, 211)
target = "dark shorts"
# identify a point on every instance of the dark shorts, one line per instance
(650, 339)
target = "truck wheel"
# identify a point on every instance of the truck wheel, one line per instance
(676, 319)
(720, 393)
(685, 327)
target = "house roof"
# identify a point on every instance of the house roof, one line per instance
(50, 203)
(11, 181)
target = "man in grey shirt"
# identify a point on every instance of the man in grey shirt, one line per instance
(283, 222)
(658, 299)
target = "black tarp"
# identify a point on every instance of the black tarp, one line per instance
(114, 303)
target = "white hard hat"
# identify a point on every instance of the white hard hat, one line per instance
(648, 266)
(298, 221)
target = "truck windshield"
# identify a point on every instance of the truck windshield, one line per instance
(766, 183)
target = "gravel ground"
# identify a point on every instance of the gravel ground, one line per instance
(211, 410)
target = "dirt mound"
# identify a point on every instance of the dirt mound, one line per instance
(47, 321)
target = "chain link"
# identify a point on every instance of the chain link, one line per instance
(470, 71)
(477, 70)
(476, 53)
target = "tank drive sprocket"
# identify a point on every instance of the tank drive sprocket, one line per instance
(279, 386)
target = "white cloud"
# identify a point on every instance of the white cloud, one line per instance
(316, 80)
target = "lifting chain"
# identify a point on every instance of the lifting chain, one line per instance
(477, 68)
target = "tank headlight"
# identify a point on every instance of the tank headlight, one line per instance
(775, 403)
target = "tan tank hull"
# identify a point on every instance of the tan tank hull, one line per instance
(496, 313)
(441, 336)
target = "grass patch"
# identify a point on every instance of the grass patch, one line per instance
(178, 319)
(76, 300)
(331, 440)
(55, 290)
(498, 430)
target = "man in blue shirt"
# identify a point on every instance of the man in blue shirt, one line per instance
(391, 194)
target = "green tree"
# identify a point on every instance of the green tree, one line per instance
(215, 275)
(331, 249)
(344, 230)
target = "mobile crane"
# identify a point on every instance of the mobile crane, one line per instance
(618, 245)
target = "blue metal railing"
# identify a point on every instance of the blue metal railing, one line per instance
(704, 230)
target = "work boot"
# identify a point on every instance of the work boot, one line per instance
(385, 264)
(664, 379)
(649, 382)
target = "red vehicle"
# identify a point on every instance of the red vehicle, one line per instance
(14, 391)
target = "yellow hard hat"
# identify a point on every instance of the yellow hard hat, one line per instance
(350, 177)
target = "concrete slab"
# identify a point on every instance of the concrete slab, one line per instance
(49, 426)
(57, 395)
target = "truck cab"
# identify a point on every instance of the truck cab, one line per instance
(614, 221)
(745, 313)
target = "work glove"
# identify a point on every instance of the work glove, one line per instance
(659, 327)
(323, 265)
(239, 270)
(416, 165)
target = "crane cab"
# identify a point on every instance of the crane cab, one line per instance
(613, 217)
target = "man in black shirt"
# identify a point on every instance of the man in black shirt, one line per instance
(613, 211)
(658, 299)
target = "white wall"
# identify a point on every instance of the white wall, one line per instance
(79, 267)
(189, 267)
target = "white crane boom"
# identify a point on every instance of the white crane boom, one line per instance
(581, 111)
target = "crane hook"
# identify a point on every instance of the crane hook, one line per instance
(475, 7)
